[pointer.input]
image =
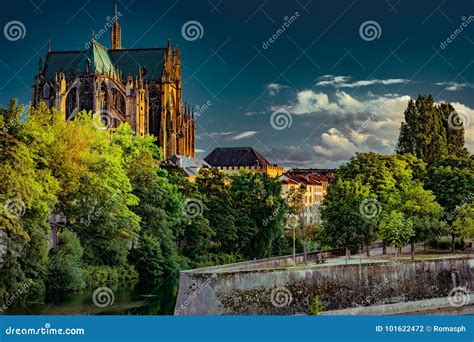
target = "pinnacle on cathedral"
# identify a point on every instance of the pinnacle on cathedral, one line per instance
(139, 86)
(115, 34)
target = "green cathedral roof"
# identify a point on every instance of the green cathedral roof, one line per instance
(103, 60)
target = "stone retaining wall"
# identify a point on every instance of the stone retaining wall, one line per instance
(251, 289)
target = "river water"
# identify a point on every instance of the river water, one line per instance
(142, 299)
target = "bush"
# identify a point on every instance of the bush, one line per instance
(214, 260)
(444, 244)
(317, 306)
(148, 258)
(64, 267)
(97, 276)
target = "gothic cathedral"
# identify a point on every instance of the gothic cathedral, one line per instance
(138, 86)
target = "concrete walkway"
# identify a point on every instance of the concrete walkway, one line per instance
(419, 307)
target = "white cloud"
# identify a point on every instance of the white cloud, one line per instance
(334, 146)
(453, 86)
(243, 135)
(469, 130)
(274, 88)
(310, 102)
(251, 113)
(218, 134)
(331, 80)
(345, 81)
(370, 123)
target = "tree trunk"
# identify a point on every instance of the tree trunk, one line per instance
(294, 246)
(305, 252)
(367, 250)
(412, 247)
(453, 246)
(399, 251)
(348, 254)
(384, 248)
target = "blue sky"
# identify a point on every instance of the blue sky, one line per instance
(343, 88)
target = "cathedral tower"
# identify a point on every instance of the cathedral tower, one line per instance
(115, 34)
(140, 86)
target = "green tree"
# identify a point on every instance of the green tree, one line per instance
(300, 219)
(429, 131)
(64, 266)
(344, 224)
(452, 181)
(27, 191)
(257, 199)
(155, 253)
(463, 223)
(396, 182)
(218, 207)
(396, 229)
(196, 236)
(419, 206)
(95, 192)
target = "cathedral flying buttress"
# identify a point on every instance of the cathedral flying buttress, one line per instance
(139, 86)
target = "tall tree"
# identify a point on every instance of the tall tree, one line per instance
(218, 207)
(396, 183)
(155, 253)
(452, 181)
(431, 131)
(27, 191)
(396, 229)
(95, 192)
(257, 198)
(463, 223)
(343, 222)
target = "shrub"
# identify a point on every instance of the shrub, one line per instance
(97, 276)
(317, 306)
(213, 259)
(444, 244)
(64, 267)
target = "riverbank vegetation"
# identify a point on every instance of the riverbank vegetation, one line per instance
(118, 214)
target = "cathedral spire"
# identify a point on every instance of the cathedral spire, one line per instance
(115, 34)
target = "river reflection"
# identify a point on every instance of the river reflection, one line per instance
(157, 298)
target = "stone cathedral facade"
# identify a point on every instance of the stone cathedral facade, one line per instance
(138, 86)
